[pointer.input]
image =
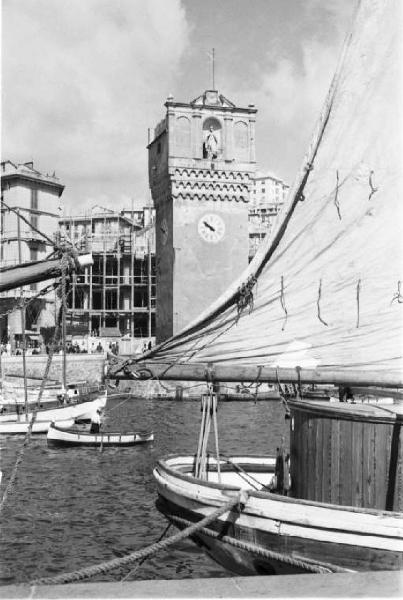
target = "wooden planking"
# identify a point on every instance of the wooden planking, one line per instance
(357, 464)
(335, 495)
(382, 445)
(318, 468)
(311, 462)
(344, 461)
(399, 492)
(345, 555)
(326, 460)
(368, 464)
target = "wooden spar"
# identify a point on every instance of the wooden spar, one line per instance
(35, 272)
(23, 325)
(248, 373)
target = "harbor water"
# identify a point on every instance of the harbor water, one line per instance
(75, 507)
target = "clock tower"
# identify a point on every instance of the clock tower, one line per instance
(201, 168)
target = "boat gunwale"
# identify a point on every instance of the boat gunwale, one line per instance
(366, 414)
(106, 434)
(162, 463)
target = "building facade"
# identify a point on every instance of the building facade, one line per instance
(201, 171)
(37, 198)
(267, 199)
(115, 296)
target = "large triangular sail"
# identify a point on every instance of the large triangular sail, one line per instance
(324, 293)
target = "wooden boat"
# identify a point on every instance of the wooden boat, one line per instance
(83, 410)
(21, 427)
(12, 401)
(320, 303)
(61, 436)
(342, 511)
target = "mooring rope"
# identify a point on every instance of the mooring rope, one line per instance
(115, 563)
(132, 571)
(307, 564)
(13, 477)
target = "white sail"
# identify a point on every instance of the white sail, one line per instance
(328, 294)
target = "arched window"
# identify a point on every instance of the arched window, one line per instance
(182, 136)
(212, 138)
(241, 140)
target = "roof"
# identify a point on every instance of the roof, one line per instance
(211, 99)
(11, 172)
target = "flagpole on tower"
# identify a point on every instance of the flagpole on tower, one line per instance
(213, 60)
(211, 55)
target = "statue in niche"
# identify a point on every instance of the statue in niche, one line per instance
(210, 146)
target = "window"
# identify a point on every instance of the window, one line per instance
(34, 206)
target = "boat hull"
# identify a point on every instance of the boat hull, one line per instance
(78, 409)
(305, 536)
(64, 414)
(59, 436)
(21, 427)
(81, 410)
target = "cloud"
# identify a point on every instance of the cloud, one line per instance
(290, 90)
(82, 81)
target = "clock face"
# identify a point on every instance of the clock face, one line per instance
(211, 228)
(164, 230)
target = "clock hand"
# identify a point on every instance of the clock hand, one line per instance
(209, 226)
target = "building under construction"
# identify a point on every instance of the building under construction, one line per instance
(115, 296)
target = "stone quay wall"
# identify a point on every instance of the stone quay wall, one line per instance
(79, 367)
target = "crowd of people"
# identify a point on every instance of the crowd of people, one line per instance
(75, 347)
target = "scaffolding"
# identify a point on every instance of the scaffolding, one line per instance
(117, 293)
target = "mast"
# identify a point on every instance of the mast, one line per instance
(149, 281)
(22, 311)
(64, 308)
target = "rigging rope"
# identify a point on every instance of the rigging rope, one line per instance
(318, 303)
(303, 563)
(110, 565)
(282, 300)
(336, 195)
(132, 571)
(358, 290)
(24, 304)
(17, 212)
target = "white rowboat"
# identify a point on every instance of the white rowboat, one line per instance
(58, 435)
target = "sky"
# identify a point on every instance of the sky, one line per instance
(83, 80)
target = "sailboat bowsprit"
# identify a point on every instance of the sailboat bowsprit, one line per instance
(325, 306)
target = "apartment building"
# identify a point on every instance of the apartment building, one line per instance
(115, 296)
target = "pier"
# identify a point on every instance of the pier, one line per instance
(379, 584)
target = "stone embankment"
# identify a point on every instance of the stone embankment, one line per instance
(79, 367)
(91, 368)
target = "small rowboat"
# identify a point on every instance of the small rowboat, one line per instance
(60, 436)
